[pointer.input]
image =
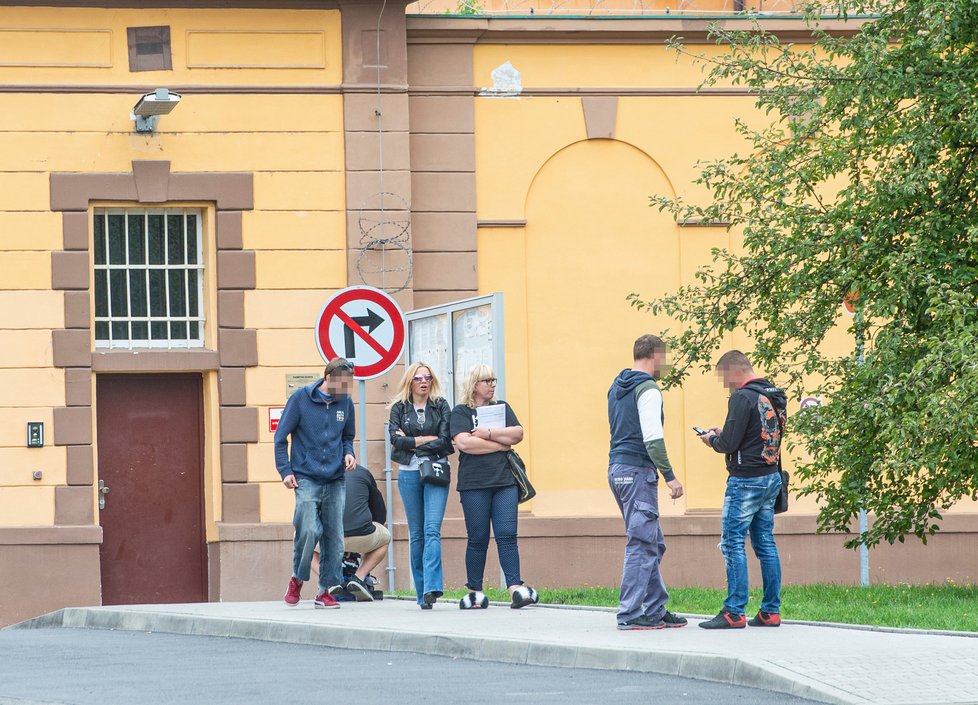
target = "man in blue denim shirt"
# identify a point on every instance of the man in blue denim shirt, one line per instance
(751, 440)
(320, 419)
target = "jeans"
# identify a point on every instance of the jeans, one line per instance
(748, 506)
(496, 505)
(318, 519)
(424, 507)
(643, 591)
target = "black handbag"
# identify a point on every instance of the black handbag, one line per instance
(781, 503)
(435, 472)
(518, 467)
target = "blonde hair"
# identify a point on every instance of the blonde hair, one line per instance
(403, 391)
(478, 372)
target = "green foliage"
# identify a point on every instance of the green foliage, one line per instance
(864, 179)
(467, 7)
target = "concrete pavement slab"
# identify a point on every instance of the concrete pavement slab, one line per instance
(833, 665)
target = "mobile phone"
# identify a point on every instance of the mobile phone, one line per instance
(699, 431)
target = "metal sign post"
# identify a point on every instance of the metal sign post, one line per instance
(367, 327)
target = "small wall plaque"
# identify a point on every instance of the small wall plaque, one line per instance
(296, 380)
(35, 434)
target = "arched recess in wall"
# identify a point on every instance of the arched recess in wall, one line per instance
(592, 237)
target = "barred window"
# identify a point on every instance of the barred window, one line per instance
(148, 278)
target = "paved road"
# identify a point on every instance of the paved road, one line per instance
(829, 664)
(96, 667)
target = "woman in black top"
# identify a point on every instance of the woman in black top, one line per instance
(419, 429)
(487, 489)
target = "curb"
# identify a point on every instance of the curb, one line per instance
(719, 668)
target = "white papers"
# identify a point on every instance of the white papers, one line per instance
(492, 416)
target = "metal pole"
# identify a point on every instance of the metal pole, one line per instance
(362, 411)
(388, 483)
(863, 550)
(863, 518)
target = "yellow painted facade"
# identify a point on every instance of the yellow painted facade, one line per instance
(566, 229)
(292, 142)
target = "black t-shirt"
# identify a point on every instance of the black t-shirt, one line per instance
(364, 504)
(477, 472)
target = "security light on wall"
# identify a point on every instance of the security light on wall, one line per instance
(147, 111)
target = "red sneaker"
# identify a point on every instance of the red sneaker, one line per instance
(326, 601)
(765, 619)
(725, 620)
(292, 594)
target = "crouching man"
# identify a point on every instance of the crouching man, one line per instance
(364, 527)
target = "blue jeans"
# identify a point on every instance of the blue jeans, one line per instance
(643, 591)
(498, 506)
(424, 507)
(748, 506)
(318, 519)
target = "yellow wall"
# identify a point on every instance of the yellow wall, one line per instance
(291, 142)
(590, 239)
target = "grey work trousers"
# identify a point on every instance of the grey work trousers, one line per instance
(636, 490)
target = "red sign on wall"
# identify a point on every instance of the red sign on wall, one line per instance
(274, 415)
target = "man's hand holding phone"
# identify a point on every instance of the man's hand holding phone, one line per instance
(708, 435)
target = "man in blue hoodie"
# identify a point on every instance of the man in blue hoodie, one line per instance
(320, 419)
(638, 454)
(751, 441)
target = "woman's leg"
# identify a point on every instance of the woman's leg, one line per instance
(504, 513)
(412, 496)
(476, 509)
(435, 499)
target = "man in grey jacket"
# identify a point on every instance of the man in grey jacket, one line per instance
(637, 456)
(320, 420)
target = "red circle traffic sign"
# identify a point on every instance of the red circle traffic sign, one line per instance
(364, 325)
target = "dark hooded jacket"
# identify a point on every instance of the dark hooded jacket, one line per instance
(627, 446)
(751, 436)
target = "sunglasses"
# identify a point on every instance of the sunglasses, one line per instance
(422, 378)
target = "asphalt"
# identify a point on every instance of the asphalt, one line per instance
(824, 663)
(109, 667)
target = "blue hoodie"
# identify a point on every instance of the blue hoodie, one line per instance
(322, 434)
(627, 445)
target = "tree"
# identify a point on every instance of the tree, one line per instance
(863, 184)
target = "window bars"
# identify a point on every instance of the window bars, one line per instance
(148, 278)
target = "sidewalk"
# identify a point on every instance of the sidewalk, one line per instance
(828, 664)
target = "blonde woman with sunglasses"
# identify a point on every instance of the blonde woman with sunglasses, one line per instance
(419, 429)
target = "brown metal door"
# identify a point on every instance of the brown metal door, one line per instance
(150, 456)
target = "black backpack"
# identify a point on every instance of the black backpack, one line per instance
(774, 417)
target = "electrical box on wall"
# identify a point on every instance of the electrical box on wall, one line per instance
(35, 434)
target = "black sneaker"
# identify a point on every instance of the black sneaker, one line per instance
(430, 598)
(673, 621)
(360, 590)
(765, 619)
(725, 620)
(642, 622)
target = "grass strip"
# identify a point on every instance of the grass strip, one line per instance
(946, 606)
